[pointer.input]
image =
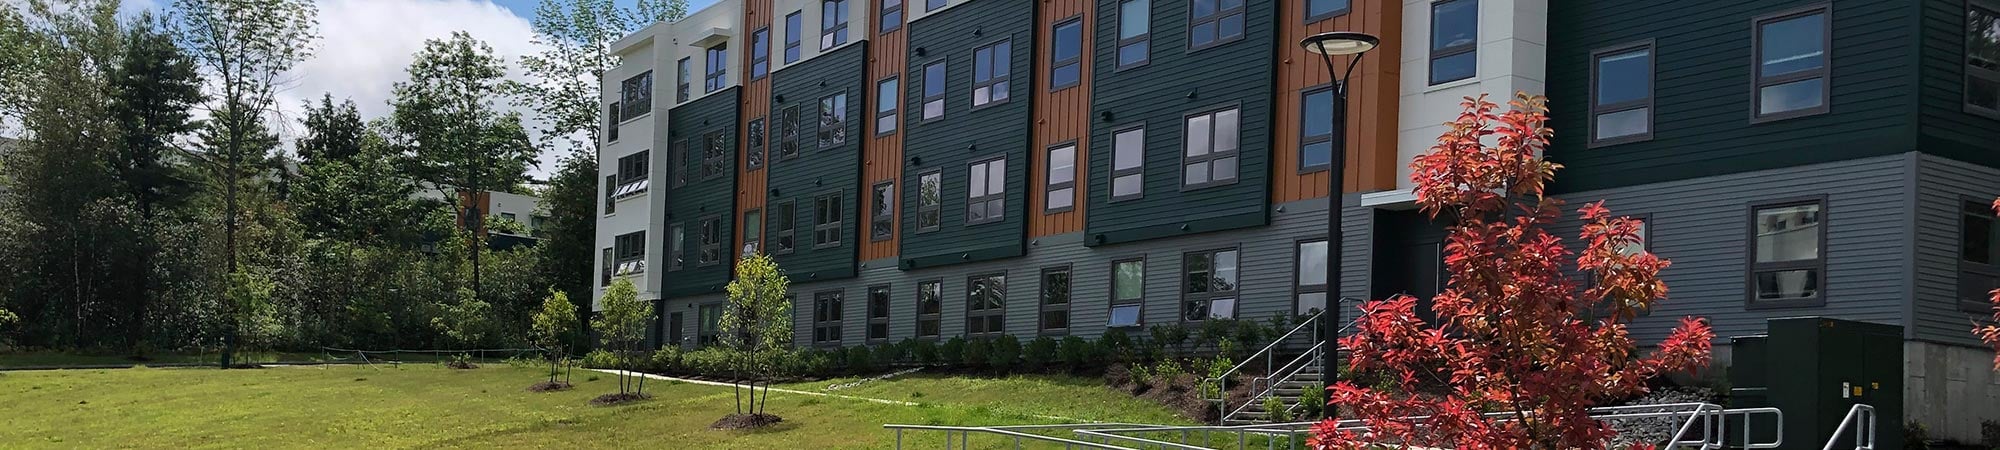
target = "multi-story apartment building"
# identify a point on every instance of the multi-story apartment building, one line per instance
(937, 168)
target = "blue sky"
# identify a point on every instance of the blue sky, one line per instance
(526, 8)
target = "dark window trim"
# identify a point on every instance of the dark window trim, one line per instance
(609, 260)
(783, 234)
(759, 134)
(707, 247)
(684, 72)
(895, 108)
(937, 317)
(1972, 71)
(934, 5)
(995, 79)
(875, 215)
(1992, 269)
(793, 38)
(888, 309)
(1216, 18)
(1111, 186)
(1652, 93)
(990, 196)
(635, 93)
(1212, 154)
(610, 197)
(704, 334)
(821, 322)
(1118, 29)
(1316, 18)
(715, 73)
(1058, 63)
(1751, 266)
(1305, 139)
(676, 247)
(1436, 54)
(986, 312)
(890, 26)
(760, 46)
(1758, 81)
(1042, 307)
(677, 162)
(839, 222)
(923, 104)
(1113, 302)
(836, 135)
(831, 33)
(1298, 286)
(1048, 172)
(939, 207)
(1208, 298)
(715, 155)
(616, 120)
(753, 239)
(790, 119)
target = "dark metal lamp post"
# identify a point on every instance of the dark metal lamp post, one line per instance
(1328, 45)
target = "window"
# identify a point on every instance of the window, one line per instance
(682, 79)
(610, 199)
(892, 15)
(788, 133)
(1645, 237)
(630, 247)
(709, 330)
(784, 238)
(1128, 293)
(711, 241)
(1316, 117)
(930, 201)
(677, 166)
(793, 28)
(760, 53)
(826, 221)
(611, 130)
(1788, 262)
(882, 218)
(986, 305)
(826, 318)
(934, 90)
(1128, 163)
(609, 260)
(1977, 273)
(755, 156)
(832, 23)
(1067, 52)
(930, 307)
(885, 106)
(1209, 285)
(753, 230)
(632, 174)
(1135, 19)
(933, 5)
(1055, 300)
(1982, 59)
(878, 313)
(1317, 10)
(1210, 158)
(1454, 40)
(1791, 74)
(676, 247)
(636, 95)
(1309, 292)
(832, 120)
(1061, 179)
(1621, 96)
(716, 156)
(718, 66)
(986, 192)
(1215, 22)
(989, 73)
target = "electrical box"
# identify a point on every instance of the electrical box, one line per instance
(1816, 369)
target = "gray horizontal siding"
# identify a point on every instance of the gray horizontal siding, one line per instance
(1942, 184)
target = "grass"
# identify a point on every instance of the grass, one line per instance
(428, 406)
(13, 359)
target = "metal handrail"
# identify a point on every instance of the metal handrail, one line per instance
(1864, 430)
(1268, 353)
(1011, 431)
(1713, 419)
(1290, 368)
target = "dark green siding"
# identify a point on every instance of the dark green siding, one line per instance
(1160, 94)
(1701, 123)
(703, 197)
(1948, 130)
(818, 171)
(966, 135)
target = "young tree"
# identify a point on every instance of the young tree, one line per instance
(756, 325)
(551, 330)
(621, 326)
(1511, 334)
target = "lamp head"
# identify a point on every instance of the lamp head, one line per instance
(1338, 43)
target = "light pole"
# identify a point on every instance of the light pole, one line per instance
(1328, 45)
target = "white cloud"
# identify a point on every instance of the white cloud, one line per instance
(366, 44)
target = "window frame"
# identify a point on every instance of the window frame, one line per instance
(1299, 287)
(985, 312)
(609, 261)
(677, 158)
(715, 155)
(616, 119)
(758, 135)
(794, 41)
(882, 224)
(1057, 63)
(1652, 92)
(890, 25)
(1216, 18)
(676, 247)
(990, 196)
(830, 228)
(1113, 302)
(786, 213)
(892, 109)
(1118, 30)
(934, 5)
(1989, 269)
(683, 78)
(710, 241)
(714, 77)
(760, 53)
(833, 33)
(705, 334)
(1973, 71)
(827, 318)
(790, 119)
(1043, 307)
(1336, 12)
(994, 77)
(878, 316)
(754, 217)
(1234, 294)
(1212, 155)
(938, 176)
(635, 93)
(1305, 96)
(832, 134)
(1111, 184)
(1825, 72)
(936, 319)
(1434, 53)
(1049, 187)
(610, 195)
(944, 87)
(1752, 267)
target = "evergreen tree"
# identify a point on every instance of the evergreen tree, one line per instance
(153, 87)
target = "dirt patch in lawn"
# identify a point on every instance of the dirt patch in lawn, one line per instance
(745, 421)
(619, 399)
(549, 386)
(461, 365)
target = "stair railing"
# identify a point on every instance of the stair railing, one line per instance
(1861, 418)
(1269, 383)
(1268, 356)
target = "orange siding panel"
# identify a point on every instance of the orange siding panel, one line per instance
(751, 186)
(1372, 99)
(882, 154)
(1060, 117)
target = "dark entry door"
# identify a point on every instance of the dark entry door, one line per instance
(674, 329)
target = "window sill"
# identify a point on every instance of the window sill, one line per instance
(1452, 84)
(1981, 112)
(1755, 305)
(634, 119)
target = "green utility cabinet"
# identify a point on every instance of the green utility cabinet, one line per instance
(1815, 369)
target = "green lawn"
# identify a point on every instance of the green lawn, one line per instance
(42, 359)
(428, 406)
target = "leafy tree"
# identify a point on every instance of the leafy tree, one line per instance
(756, 325)
(466, 322)
(552, 327)
(621, 326)
(154, 86)
(1511, 333)
(576, 37)
(333, 132)
(568, 249)
(1990, 332)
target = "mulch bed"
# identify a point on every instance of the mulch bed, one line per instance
(549, 386)
(619, 399)
(461, 365)
(745, 421)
